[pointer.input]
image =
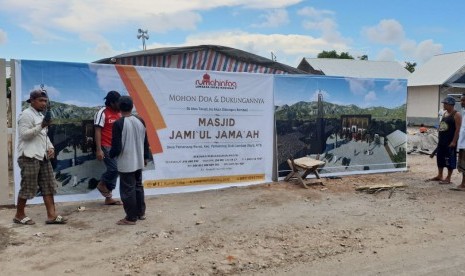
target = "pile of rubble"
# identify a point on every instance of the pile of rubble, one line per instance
(418, 142)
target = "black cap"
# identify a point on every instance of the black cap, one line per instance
(112, 97)
(449, 100)
(125, 103)
(36, 94)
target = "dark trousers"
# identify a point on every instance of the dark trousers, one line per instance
(111, 174)
(132, 194)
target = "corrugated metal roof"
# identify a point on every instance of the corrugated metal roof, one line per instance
(397, 138)
(246, 60)
(359, 68)
(439, 70)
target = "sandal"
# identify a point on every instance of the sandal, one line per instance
(444, 182)
(114, 202)
(58, 220)
(125, 222)
(457, 189)
(24, 221)
(142, 217)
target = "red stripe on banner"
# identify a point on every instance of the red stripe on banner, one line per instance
(231, 62)
(168, 63)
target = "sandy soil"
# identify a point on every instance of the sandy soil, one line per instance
(271, 229)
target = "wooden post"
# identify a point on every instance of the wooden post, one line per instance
(6, 194)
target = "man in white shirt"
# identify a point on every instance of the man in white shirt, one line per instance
(461, 148)
(35, 151)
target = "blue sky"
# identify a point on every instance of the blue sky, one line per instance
(79, 84)
(389, 93)
(85, 30)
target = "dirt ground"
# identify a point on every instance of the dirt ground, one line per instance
(272, 229)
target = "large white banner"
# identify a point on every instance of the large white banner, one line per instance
(206, 129)
(219, 127)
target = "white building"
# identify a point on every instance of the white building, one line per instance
(439, 77)
(397, 141)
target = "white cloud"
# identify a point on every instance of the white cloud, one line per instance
(41, 35)
(80, 16)
(386, 54)
(314, 13)
(102, 46)
(422, 51)
(257, 4)
(323, 21)
(360, 86)
(395, 86)
(370, 97)
(3, 37)
(92, 20)
(274, 18)
(391, 32)
(289, 48)
(388, 31)
(107, 78)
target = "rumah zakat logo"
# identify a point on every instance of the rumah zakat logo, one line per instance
(207, 82)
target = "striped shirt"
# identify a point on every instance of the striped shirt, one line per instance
(105, 118)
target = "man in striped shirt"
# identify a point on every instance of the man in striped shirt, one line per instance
(103, 124)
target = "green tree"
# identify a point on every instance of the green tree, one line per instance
(334, 54)
(410, 66)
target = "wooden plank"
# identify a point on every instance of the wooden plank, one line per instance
(380, 187)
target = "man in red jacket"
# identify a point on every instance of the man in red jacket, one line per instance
(103, 124)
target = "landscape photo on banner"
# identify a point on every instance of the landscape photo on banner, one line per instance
(354, 125)
(206, 129)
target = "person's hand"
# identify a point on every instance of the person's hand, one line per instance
(431, 155)
(45, 123)
(145, 162)
(50, 153)
(452, 144)
(100, 154)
